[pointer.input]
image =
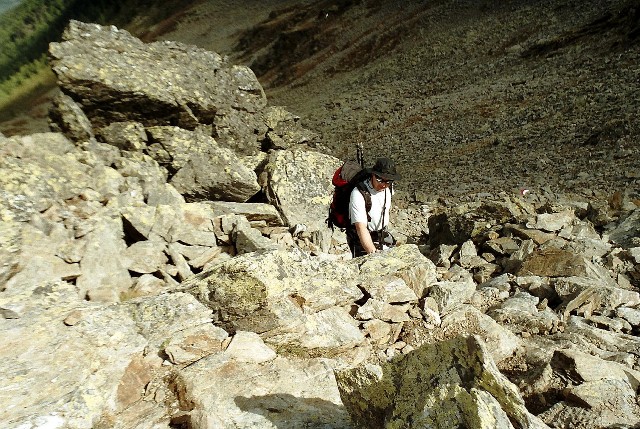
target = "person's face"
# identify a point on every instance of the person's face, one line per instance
(379, 183)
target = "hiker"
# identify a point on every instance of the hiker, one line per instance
(368, 231)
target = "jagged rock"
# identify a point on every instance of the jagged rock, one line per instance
(587, 295)
(600, 393)
(441, 255)
(94, 67)
(36, 171)
(555, 262)
(249, 347)
(451, 294)
(627, 231)
(190, 223)
(284, 130)
(164, 194)
(277, 292)
(140, 171)
(468, 256)
(520, 313)
(405, 262)
(467, 320)
(249, 239)
(553, 222)
(485, 297)
(79, 372)
(201, 169)
(377, 309)
(392, 290)
(104, 275)
(471, 221)
(632, 315)
(191, 344)
(540, 237)
(299, 186)
(283, 393)
(254, 212)
(502, 245)
(146, 256)
(31, 259)
(179, 261)
(605, 342)
(408, 391)
(147, 285)
(67, 117)
(129, 135)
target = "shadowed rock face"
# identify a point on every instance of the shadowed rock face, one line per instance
(116, 77)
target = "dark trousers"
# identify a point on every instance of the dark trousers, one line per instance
(379, 238)
(354, 243)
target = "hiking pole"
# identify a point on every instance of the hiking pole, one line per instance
(360, 155)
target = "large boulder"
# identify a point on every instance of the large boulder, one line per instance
(299, 186)
(596, 392)
(249, 389)
(289, 297)
(71, 363)
(106, 71)
(200, 168)
(454, 383)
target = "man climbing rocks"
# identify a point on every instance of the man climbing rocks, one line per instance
(368, 230)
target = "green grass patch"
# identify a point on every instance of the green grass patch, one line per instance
(19, 91)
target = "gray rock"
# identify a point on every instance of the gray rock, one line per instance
(38, 170)
(596, 386)
(520, 313)
(129, 136)
(201, 169)
(499, 340)
(451, 294)
(279, 294)
(104, 275)
(299, 186)
(587, 295)
(94, 65)
(282, 392)
(553, 222)
(146, 256)
(285, 132)
(631, 315)
(254, 212)
(405, 262)
(66, 117)
(627, 231)
(407, 392)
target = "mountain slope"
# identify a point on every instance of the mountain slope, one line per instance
(468, 96)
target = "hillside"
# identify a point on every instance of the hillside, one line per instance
(165, 260)
(469, 97)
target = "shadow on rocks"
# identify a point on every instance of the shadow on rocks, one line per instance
(289, 412)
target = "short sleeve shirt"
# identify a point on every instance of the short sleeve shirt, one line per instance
(379, 200)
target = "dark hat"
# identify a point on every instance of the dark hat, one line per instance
(386, 169)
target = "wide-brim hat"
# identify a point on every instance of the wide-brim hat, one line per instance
(385, 169)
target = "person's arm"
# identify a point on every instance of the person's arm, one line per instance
(365, 237)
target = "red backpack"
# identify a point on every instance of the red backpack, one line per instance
(350, 175)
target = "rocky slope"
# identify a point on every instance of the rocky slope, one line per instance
(164, 264)
(469, 97)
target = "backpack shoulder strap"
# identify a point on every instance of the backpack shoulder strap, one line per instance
(367, 197)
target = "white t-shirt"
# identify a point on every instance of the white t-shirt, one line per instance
(357, 207)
